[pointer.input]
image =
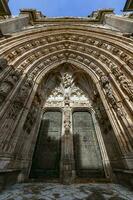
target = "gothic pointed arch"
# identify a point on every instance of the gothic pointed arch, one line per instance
(99, 55)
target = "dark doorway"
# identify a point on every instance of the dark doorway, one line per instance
(88, 159)
(46, 159)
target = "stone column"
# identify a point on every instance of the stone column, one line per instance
(67, 160)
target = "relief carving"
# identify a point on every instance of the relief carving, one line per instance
(14, 110)
(31, 117)
(23, 93)
(105, 83)
(67, 80)
(67, 126)
(115, 70)
(5, 88)
(7, 85)
(12, 114)
(125, 83)
(3, 64)
(67, 122)
(130, 62)
(115, 51)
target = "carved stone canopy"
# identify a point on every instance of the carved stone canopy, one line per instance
(68, 85)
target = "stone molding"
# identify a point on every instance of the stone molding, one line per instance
(105, 58)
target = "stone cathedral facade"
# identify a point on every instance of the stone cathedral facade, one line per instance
(66, 98)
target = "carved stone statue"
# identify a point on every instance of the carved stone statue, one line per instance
(67, 126)
(7, 85)
(31, 118)
(104, 80)
(67, 100)
(19, 101)
(67, 80)
(5, 88)
(3, 64)
(22, 95)
(115, 70)
(109, 93)
(127, 85)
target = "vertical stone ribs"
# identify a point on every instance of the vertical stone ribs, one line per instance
(105, 83)
(9, 120)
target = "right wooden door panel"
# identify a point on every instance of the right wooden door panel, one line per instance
(86, 148)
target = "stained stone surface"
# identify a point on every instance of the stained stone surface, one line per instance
(50, 191)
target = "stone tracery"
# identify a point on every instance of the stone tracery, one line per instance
(68, 90)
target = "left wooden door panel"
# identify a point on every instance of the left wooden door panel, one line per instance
(46, 160)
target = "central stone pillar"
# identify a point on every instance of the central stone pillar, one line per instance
(67, 160)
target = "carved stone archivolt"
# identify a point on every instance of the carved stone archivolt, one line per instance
(127, 85)
(67, 45)
(97, 55)
(104, 51)
(68, 37)
(63, 56)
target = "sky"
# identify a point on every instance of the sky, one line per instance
(54, 8)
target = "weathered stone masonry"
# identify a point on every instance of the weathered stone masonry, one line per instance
(100, 57)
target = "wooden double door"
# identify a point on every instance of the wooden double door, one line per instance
(48, 151)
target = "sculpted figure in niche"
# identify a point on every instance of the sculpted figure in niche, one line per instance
(14, 77)
(115, 70)
(117, 106)
(106, 85)
(67, 122)
(19, 101)
(104, 80)
(67, 100)
(130, 62)
(67, 80)
(124, 82)
(31, 117)
(23, 92)
(7, 86)
(14, 110)
(3, 64)
(109, 93)
(67, 126)
(126, 85)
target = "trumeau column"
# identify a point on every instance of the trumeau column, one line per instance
(67, 157)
